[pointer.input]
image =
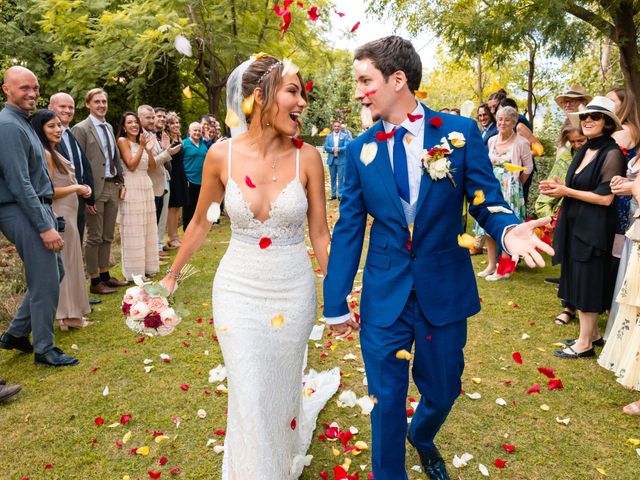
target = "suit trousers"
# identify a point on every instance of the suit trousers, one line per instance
(438, 362)
(81, 218)
(336, 174)
(101, 229)
(43, 271)
(189, 209)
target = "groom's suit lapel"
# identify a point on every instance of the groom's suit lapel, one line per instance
(383, 165)
(430, 139)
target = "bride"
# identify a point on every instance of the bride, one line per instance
(264, 291)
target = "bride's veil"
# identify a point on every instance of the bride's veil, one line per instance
(234, 96)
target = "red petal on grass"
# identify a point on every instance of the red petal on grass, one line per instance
(118, 444)
(345, 437)
(99, 421)
(500, 463)
(355, 27)
(265, 242)
(313, 14)
(185, 344)
(298, 142)
(410, 412)
(48, 466)
(139, 339)
(323, 355)
(383, 137)
(163, 460)
(249, 183)
(153, 474)
(323, 474)
(220, 432)
(293, 424)
(184, 387)
(555, 384)
(534, 389)
(508, 448)
(157, 434)
(413, 118)
(547, 372)
(175, 471)
(124, 419)
(435, 121)
(517, 357)
(370, 92)
(308, 86)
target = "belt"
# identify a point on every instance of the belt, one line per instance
(111, 179)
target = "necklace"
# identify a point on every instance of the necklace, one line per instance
(502, 142)
(273, 167)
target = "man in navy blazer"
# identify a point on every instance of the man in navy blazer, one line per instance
(335, 145)
(411, 172)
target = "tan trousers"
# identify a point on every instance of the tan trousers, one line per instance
(100, 229)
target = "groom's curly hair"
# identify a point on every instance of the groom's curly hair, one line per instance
(391, 54)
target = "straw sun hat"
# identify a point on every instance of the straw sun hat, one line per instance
(599, 104)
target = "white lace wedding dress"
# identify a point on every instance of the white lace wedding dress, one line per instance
(264, 306)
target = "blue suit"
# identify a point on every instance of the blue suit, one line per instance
(335, 162)
(419, 292)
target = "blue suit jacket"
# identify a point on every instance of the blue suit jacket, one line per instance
(342, 145)
(434, 265)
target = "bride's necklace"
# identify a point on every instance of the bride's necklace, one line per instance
(273, 168)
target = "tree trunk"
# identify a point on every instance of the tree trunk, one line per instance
(530, 76)
(605, 63)
(625, 37)
(479, 84)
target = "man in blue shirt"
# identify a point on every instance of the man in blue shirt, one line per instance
(27, 220)
(195, 152)
(335, 145)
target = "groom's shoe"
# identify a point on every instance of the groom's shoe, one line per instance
(55, 358)
(432, 462)
(9, 342)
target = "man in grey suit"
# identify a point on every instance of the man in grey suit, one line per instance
(28, 221)
(95, 136)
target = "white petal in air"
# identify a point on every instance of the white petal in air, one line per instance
(213, 212)
(183, 45)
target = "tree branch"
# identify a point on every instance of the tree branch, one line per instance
(599, 23)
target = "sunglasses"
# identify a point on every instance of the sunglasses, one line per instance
(595, 116)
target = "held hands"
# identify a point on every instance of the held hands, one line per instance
(553, 188)
(91, 209)
(84, 191)
(345, 329)
(620, 185)
(522, 242)
(52, 240)
(336, 150)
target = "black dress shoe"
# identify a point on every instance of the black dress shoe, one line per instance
(9, 342)
(432, 462)
(55, 358)
(573, 355)
(571, 341)
(94, 301)
(8, 391)
(115, 283)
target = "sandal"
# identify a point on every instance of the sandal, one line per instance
(573, 355)
(632, 409)
(560, 321)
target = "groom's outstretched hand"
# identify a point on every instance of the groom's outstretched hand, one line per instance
(522, 242)
(344, 329)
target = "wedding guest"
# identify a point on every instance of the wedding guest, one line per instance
(573, 98)
(507, 147)
(138, 228)
(7, 391)
(621, 354)
(27, 220)
(208, 134)
(487, 122)
(95, 137)
(195, 152)
(454, 111)
(336, 145)
(586, 222)
(178, 183)
(73, 302)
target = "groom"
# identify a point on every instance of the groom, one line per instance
(418, 284)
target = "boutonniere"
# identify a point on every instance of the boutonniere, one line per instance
(436, 163)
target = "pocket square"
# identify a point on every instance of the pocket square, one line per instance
(368, 152)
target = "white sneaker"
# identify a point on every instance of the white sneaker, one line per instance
(486, 272)
(495, 276)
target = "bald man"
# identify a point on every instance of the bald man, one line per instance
(27, 220)
(64, 106)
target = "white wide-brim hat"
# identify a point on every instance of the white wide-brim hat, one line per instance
(599, 104)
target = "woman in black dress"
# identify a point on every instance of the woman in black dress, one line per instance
(178, 197)
(586, 226)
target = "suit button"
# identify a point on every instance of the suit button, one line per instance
(413, 256)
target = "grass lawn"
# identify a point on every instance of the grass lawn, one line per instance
(48, 430)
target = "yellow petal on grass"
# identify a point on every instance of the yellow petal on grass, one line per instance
(466, 241)
(346, 464)
(335, 451)
(277, 321)
(602, 471)
(186, 91)
(478, 198)
(161, 438)
(510, 167)
(144, 451)
(360, 445)
(403, 355)
(232, 120)
(247, 105)
(634, 441)
(127, 437)
(126, 477)
(476, 380)
(544, 407)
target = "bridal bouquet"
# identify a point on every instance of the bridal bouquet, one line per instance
(147, 309)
